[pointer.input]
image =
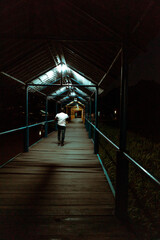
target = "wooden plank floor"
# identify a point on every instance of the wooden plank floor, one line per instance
(56, 192)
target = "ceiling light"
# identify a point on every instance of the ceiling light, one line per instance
(62, 67)
(50, 74)
(73, 94)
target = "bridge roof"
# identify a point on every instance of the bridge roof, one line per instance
(37, 37)
(67, 83)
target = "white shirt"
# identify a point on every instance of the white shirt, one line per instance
(62, 118)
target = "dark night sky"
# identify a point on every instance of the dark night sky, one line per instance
(147, 65)
(143, 93)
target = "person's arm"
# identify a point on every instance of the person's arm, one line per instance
(67, 118)
(56, 118)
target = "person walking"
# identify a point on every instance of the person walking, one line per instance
(61, 118)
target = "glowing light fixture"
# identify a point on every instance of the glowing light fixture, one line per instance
(43, 77)
(72, 94)
(50, 74)
(36, 81)
(62, 68)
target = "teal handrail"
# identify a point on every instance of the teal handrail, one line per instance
(141, 168)
(51, 121)
(127, 156)
(36, 124)
(21, 128)
(18, 129)
(104, 135)
(12, 130)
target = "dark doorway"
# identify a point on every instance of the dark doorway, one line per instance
(78, 114)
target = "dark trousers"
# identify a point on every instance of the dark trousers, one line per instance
(61, 131)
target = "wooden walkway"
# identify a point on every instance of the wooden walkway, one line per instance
(58, 193)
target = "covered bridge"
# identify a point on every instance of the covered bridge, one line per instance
(68, 53)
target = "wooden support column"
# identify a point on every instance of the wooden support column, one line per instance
(121, 200)
(26, 143)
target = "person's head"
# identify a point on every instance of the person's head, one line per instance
(62, 109)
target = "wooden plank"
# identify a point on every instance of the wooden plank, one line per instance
(58, 199)
(51, 227)
(40, 170)
(45, 155)
(52, 162)
(58, 210)
(66, 175)
(34, 180)
(53, 188)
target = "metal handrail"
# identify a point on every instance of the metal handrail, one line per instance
(36, 124)
(114, 145)
(12, 130)
(127, 156)
(51, 121)
(29, 126)
(141, 168)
